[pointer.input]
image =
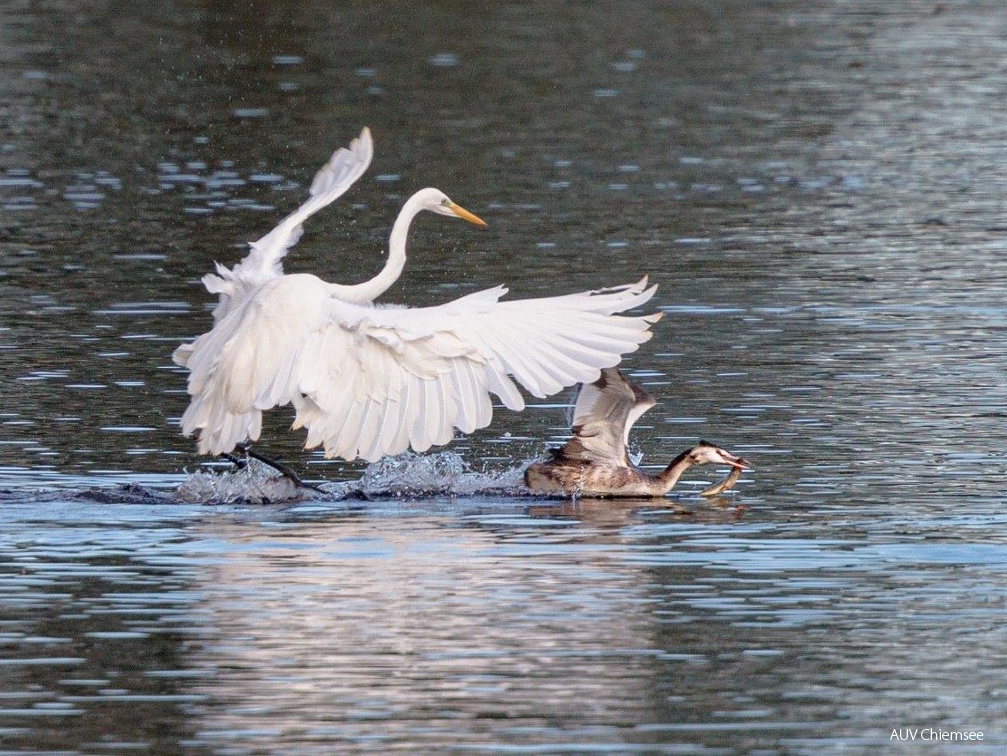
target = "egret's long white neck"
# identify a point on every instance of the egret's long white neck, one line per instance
(371, 290)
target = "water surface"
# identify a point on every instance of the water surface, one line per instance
(816, 188)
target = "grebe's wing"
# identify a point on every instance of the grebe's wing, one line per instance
(602, 416)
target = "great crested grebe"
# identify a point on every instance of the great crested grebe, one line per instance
(595, 463)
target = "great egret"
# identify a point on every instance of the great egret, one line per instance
(595, 463)
(368, 380)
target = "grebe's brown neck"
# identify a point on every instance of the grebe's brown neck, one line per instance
(670, 475)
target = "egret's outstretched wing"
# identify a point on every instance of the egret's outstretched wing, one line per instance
(264, 261)
(368, 381)
(602, 417)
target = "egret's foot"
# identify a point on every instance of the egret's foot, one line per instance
(286, 472)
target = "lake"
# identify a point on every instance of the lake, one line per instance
(818, 190)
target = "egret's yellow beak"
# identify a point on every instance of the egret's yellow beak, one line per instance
(464, 214)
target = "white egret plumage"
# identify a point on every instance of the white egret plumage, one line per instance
(366, 379)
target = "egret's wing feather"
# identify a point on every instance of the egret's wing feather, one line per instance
(264, 260)
(368, 381)
(550, 343)
(250, 361)
(602, 417)
(332, 180)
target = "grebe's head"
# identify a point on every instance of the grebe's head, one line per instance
(705, 453)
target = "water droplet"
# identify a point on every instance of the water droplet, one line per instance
(444, 60)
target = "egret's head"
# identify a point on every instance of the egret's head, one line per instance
(438, 202)
(706, 453)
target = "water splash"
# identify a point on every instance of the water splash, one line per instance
(440, 474)
(254, 482)
(405, 475)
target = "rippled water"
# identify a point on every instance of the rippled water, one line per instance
(816, 187)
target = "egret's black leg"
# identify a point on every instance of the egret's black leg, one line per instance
(241, 464)
(281, 468)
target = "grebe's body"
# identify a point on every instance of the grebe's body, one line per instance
(595, 461)
(605, 478)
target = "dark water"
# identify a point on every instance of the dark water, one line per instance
(818, 190)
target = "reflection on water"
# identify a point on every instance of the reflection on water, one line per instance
(817, 189)
(94, 620)
(418, 624)
(353, 621)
